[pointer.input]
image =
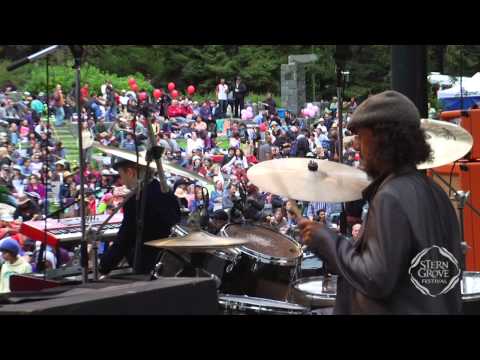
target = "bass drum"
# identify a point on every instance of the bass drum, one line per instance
(174, 263)
(245, 305)
(315, 292)
(265, 266)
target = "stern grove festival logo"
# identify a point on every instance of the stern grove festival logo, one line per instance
(434, 271)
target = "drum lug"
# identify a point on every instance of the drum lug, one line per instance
(254, 266)
(156, 271)
(230, 268)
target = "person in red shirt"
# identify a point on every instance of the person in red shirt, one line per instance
(91, 203)
(175, 110)
(10, 227)
(187, 109)
(84, 93)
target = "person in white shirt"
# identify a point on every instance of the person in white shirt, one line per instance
(124, 101)
(234, 141)
(222, 96)
(194, 143)
(103, 88)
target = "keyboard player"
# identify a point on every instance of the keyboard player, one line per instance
(161, 213)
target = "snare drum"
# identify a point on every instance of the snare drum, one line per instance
(315, 292)
(245, 305)
(266, 265)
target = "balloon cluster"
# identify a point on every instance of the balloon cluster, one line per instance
(175, 93)
(133, 84)
(157, 93)
(247, 114)
(310, 111)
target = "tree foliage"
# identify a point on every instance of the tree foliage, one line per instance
(259, 65)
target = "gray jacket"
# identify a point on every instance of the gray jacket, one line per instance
(407, 214)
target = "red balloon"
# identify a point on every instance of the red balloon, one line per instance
(134, 87)
(171, 86)
(191, 90)
(131, 81)
(174, 94)
(157, 93)
(142, 96)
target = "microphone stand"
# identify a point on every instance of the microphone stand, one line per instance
(93, 233)
(154, 153)
(77, 51)
(340, 90)
(462, 199)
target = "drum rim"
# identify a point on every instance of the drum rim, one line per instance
(323, 296)
(473, 296)
(275, 260)
(223, 299)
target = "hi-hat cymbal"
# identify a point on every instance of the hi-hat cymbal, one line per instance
(292, 178)
(448, 141)
(167, 165)
(197, 240)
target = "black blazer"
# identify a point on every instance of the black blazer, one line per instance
(161, 213)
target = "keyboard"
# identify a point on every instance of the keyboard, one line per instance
(68, 230)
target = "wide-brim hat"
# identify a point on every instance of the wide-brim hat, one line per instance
(124, 156)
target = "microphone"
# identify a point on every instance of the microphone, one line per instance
(33, 57)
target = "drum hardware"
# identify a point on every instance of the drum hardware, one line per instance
(314, 292)
(234, 260)
(230, 268)
(246, 305)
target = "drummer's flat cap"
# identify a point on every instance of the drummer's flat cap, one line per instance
(388, 106)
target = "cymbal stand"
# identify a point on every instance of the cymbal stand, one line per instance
(462, 199)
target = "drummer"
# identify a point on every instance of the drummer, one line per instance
(408, 213)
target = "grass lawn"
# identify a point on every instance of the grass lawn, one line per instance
(71, 145)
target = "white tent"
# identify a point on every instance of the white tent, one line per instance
(470, 87)
(442, 80)
(451, 99)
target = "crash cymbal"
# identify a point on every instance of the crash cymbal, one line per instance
(448, 141)
(167, 165)
(292, 178)
(197, 240)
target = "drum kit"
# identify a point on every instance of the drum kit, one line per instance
(257, 269)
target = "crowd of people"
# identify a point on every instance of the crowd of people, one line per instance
(39, 181)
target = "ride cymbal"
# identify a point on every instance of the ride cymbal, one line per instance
(309, 179)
